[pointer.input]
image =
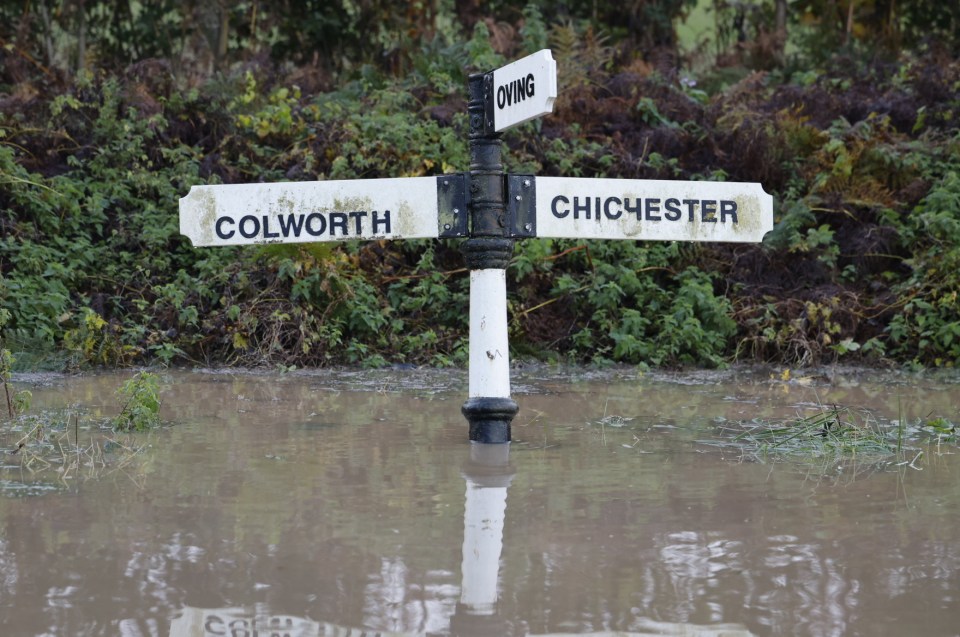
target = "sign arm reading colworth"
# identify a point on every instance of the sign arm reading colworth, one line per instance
(490, 209)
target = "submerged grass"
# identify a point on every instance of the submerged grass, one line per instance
(831, 438)
(55, 448)
(838, 431)
(837, 435)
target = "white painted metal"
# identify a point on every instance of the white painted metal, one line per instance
(308, 211)
(524, 90)
(489, 347)
(583, 208)
(482, 544)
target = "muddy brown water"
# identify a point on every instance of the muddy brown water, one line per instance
(350, 503)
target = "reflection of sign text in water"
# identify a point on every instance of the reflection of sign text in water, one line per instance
(237, 622)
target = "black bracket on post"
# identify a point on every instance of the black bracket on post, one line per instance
(487, 129)
(521, 206)
(453, 201)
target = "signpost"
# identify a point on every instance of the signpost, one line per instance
(521, 91)
(490, 209)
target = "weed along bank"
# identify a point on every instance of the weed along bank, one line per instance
(489, 209)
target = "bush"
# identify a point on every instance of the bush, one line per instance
(140, 397)
(860, 158)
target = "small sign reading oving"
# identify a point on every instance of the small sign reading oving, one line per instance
(523, 90)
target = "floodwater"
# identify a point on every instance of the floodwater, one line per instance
(350, 503)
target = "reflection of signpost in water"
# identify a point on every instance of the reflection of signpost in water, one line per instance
(488, 474)
(491, 209)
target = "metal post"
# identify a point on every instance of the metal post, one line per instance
(489, 408)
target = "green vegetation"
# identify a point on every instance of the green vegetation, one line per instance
(111, 112)
(141, 403)
(19, 401)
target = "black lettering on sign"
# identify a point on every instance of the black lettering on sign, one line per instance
(652, 208)
(708, 211)
(312, 230)
(559, 214)
(315, 224)
(646, 210)
(606, 208)
(673, 210)
(266, 229)
(577, 208)
(728, 208)
(515, 91)
(220, 232)
(291, 224)
(338, 220)
(358, 220)
(249, 226)
(385, 222)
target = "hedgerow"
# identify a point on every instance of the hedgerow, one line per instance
(861, 159)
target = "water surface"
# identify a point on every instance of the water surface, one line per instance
(312, 503)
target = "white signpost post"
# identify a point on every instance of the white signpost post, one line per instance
(491, 209)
